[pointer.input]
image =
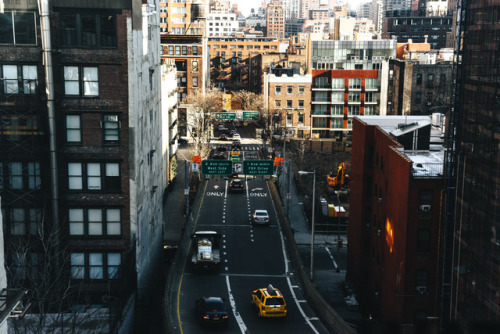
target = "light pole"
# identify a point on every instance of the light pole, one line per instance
(301, 172)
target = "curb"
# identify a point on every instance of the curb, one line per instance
(331, 319)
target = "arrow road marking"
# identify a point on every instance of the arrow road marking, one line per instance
(216, 186)
(256, 189)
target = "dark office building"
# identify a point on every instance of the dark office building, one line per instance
(475, 265)
(416, 26)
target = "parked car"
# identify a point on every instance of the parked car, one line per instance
(269, 302)
(260, 217)
(211, 311)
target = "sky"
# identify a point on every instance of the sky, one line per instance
(246, 5)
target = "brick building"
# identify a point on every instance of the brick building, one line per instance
(419, 85)
(275, 20)
(287, 97)
(82, 150)
(396, 180)
(233, 60)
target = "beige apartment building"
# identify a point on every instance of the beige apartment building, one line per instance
(233, 60)
(287, 97)
(275, 20)
(182, 17)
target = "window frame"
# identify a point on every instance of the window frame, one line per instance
(76, 129)
(81, 265)
(82, 83)
(98, 34)
(82, 228)
(109, 127)
(100, 178)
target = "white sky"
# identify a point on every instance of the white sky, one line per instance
(246, 5)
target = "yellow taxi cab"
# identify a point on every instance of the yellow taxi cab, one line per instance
(235, 151)
(269, 302)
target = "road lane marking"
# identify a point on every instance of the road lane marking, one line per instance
(288, 278)
(256, 275)
(225, 196)
(237, 316)
(331, 257)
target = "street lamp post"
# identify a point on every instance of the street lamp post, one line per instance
(312, 219)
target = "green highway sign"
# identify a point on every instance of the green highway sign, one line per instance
(225, 115)
(251, 115)
(216, 167)
(258, 167)
(235, 158)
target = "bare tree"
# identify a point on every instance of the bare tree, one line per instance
(201, 116)
(249, 100)
(39, 263)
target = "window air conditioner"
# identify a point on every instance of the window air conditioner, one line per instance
(425, 208)
(421, 289)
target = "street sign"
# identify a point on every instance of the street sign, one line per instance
(235, 158)
(197, 159)
(195, 168)
(225, 115)
(258, 167)
(251, 115)
(216, 167)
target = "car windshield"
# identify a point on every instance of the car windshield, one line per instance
(261, 213)
(273, 301)
(214, 306)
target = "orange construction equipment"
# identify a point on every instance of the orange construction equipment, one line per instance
(339, 181)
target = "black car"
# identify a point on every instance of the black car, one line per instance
(211, 311)
(236, 185)
(236, 144)
(221, 147)
(219, 156)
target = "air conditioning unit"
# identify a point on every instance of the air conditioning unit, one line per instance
(425, 208)
(421, 289)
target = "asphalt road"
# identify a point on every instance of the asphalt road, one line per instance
(253, 257)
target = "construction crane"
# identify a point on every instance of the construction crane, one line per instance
(339, 181)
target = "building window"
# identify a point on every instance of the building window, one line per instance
(111, 129)
(277, 103)
(321, 82)
(94, 221)
(301, 118)
(34, 180)
(423, 240)
(289, 104)
(88, 30)
(277, 90)
(78, 79)
(11, 75)
(425, 200)
(301, 90)
(95, 265)
(419, 79)
(17, 222)
(369, 110)
(336, 123)
(338, 83)
(289, 90)
(353, 110)
(355, 83)
(184, 50)
(170, 49)
(223, 53)
(370, 83)
(370, 97)
(18, 27)
(195, 50)
(289, 119)
(301, 104)
(418, 97)
(338, 97)
(338, 110)
(354, 97)
(73, 129)
(177, 50)
(320, 122)
(94, 176)
(195, 82)
(421, 281)
(16, 175)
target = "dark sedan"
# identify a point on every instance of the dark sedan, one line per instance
(211, 311)
(236, 185)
